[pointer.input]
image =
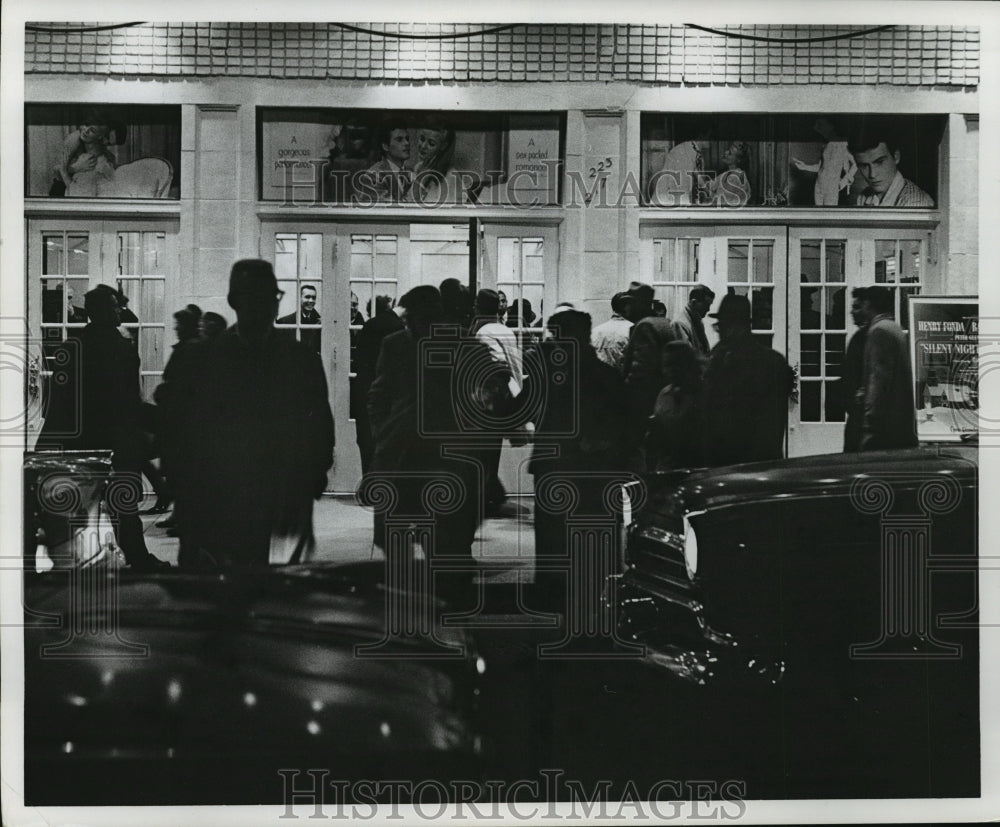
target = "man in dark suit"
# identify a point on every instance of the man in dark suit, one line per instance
(853, 371)
(248, 433)
(747, 387)
(306, 315)
(367, 346)
(99, 409)
(889, 411)
(416, 418)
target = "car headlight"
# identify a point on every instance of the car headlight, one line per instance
(691, 545)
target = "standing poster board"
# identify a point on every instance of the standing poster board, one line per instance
(944, 355)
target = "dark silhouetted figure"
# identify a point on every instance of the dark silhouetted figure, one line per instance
(367, 347)
(248, 433)
(747, 387)
(853, 372)
(212, 324)
(674, 439)
(889, 412)
(578, 406)
(416, 406)
(101, 405)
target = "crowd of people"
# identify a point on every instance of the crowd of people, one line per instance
(245, 433)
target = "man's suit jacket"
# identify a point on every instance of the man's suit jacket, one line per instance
(644, 363)
(889, 408)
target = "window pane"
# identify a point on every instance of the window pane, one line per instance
(52, 255)
(311, 256)
(153, 300)
(151, 348)
(361, 294)
(385, 245)
(835, 343)
(78, 259)
(810, 355)
(154, 258)
(660, 251)
(835, 253)
(76, 290)
(361, 257)
(809, 401)
(763, 261)
(909, 260)
(130, 254)
(834, 407)
(286, 255)
(739, 251)
(761, 307)
(809, 266)
(385, 262)
(508, 253)
(810, 307)
(53, 303)
(533, 267)
(289, 302)
(836, 308)
(885, 262)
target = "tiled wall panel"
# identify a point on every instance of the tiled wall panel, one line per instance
(902, 56)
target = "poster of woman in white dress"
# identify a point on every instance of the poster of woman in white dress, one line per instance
(108, 151)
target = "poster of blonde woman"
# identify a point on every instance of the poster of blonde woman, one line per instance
(102, 152)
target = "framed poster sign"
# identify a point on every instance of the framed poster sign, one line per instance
(428, 159)
(102, 151)
(944, 355)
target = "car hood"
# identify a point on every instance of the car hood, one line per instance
(822, 475)
(181, 664)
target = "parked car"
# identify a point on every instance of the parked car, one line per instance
(829, 600)
(197, 688)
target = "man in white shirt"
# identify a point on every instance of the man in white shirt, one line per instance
(502, 342)
(611, 338)
(877, 157)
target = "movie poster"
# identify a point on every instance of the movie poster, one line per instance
(944, 348)
(102, 151)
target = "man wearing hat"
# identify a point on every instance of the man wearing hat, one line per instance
(248, 434)
(611, 338)
(747, 387)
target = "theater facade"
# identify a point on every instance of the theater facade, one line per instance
(556, 163)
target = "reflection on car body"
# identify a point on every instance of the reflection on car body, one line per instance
(754, 569)
(192, 687)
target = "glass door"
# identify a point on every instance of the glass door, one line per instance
(523, 264)
(824, 267)
(749, 261)
(68, 257)
(336, 277)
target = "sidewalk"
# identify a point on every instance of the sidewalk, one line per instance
(344, 534)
